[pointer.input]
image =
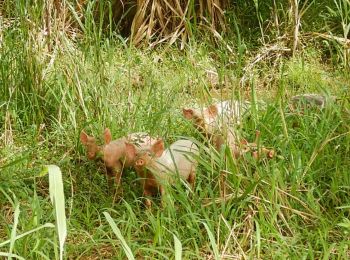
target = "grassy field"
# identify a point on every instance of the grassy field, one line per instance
(294, 206)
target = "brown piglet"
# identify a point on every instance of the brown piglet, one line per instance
(112, 153)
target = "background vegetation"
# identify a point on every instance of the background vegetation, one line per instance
(72, 65)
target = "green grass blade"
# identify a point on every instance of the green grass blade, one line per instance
(47, 225)
(57, 199)
(212, 241)
(14, 228)
(343, 207)
(119, 235)
(258, 238)
(178, 248)
(11, 255)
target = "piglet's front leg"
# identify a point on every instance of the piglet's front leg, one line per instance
(150, 191)
(147, 193)
(114, 179)
(117, 179)
(162, 195)
(192, 178)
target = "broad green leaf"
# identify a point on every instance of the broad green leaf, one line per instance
(57, 199)
(178, 248)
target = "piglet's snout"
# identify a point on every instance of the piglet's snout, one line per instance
(91, 155)
(140, 162)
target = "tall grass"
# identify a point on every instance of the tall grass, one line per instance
(295, 205)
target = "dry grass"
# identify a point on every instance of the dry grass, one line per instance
(159, 20)
(145, 21)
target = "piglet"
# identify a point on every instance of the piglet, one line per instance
(158, 167)
(214, 117)
(310, 100)
(229, 138)
(218, 123)
(240, 146)
(112, 153)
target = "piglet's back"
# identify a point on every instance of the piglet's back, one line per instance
(231, 112)
(141, 140)
(113, 151)
(179, 157)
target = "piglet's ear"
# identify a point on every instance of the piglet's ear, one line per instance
(107, 136)
(212, 110)
(188, 113)
(158, 148)
(130, 151)
(83, 137)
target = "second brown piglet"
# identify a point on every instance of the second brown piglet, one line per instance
(158, 167)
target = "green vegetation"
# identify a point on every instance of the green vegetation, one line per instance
(81, 74)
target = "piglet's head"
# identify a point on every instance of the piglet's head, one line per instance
(145, 158)
(92, 149)
(202, 119)
(196, 118)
